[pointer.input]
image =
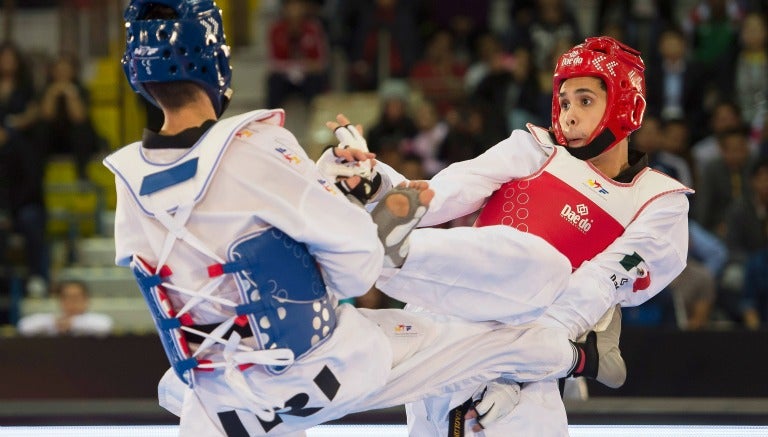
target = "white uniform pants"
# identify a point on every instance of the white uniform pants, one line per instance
(409, 356)
(454, 271)
(451, 271)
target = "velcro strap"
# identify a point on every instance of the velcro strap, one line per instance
(364, 191)
(184, 365)
(244, 331)
(147, 282)
(168, 324)
(215, 270)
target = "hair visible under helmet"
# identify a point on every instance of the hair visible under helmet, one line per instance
(621, 69)
(188, 47)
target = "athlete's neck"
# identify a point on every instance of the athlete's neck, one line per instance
(614, 161)
(187, 117)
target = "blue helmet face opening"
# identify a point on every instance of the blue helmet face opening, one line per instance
(188, 47)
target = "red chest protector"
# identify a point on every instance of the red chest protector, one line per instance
(572, 206)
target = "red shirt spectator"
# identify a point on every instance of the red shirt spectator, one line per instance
(298, 55)
(439, 76)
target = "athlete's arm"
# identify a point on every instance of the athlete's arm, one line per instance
(297, 199)
(463, 187)
(643, 261)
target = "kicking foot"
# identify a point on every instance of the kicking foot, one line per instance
(397, 214)
(611, 370)
(599, 357)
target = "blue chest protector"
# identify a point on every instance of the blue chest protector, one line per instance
(282, 293)
(283, 297)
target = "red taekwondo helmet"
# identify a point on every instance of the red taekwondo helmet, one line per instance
(621, 69)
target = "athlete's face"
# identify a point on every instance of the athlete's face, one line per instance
(582, 104)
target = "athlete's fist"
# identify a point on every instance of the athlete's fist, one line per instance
(493, 402)
(351, 157)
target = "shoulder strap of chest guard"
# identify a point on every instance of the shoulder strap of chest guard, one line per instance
(167, 186)
(543, 138)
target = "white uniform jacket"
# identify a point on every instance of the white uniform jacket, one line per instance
(646, 219)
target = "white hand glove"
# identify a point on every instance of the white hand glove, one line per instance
(496, 400)
(333, 167)
(348, 136)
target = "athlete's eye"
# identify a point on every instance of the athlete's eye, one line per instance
(564, 105)
(586, 101)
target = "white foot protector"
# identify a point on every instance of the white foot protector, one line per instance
(611, 370)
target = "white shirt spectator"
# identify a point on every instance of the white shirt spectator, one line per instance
(50, 324)
(73, 318)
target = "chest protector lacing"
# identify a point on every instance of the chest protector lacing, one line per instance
(282, 295)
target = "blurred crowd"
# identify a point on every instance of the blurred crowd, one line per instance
(479, 70)
(455, 77)
(39, 121)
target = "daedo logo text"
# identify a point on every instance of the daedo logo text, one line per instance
(576, 217)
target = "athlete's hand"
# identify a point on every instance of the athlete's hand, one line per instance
(347, 134)
(337, 163)
(351, 157)
(493, 402)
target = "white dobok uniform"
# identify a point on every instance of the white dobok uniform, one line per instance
(625, 241)
(182, 212)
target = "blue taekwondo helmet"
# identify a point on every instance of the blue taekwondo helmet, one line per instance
(189, 47)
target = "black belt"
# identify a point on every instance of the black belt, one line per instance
(456, 419)
(244, 331)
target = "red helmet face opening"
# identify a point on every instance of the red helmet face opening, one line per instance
(621, 70)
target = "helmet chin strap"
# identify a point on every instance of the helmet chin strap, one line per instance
(600, 144)
(224, 102)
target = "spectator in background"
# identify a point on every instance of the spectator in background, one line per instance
(750, 77)
(676, 143)
(695, 289)
(712, 27)
(298, 55)
(439, 75)
(65, 122)
(490, 57)
(552, 21)
(511, 93)
(693, 292)
(383, 41)
(747, 239)
(468, 134)
(641, 21)
(73, 317)
(466, 21)
(675, 84)
(23, 163)
(724, 181)
(650, 138)
(725, 116)
(394, 125)
(431, 131)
